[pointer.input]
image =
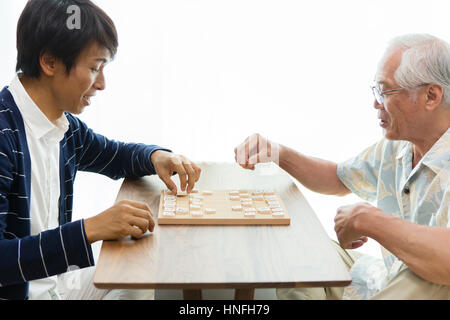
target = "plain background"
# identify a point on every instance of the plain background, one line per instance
(199, 76)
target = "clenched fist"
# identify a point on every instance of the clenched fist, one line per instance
(256, 149)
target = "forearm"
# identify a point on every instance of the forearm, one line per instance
(423, 249)
(315, 174)
(47, 254)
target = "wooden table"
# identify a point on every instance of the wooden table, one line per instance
(217, 257)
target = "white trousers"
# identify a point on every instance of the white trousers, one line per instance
(79, 285)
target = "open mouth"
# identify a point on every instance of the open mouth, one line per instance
(87, 100)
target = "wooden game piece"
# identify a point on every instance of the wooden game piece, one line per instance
(264, 210)
(249, 210)
(270, 198)
(244, 195)
(171, 209)
(196, 204)
(197, 196)
(258, 198)
(194, 191)
(196, 207)
(181, 193)
(233, 193)
(246, 199)
(236, 208)
(168, 214)
(250, 214)
(269, 192)
(278, 213)
(246, 203)
(196, 213)
(234, 198)
(207, 192)
(181, 210)
(274, 206)
(258, 192)
(277, 209)
(210, 210)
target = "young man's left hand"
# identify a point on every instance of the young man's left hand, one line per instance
(167, 163)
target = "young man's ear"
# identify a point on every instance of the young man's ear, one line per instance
(48, 64)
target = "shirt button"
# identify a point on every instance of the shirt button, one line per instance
(406, 190)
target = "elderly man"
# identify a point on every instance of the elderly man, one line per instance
(407, 174)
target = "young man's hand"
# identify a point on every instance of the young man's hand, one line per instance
(167, 163)
(125, 218)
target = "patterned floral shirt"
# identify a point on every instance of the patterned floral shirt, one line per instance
(383, 174)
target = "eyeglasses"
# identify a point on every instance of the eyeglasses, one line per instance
(378, 94)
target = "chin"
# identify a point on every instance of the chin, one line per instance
(390, 135)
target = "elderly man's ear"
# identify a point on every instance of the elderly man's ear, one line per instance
(434, 95)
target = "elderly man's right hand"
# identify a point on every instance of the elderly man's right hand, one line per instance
(256, 149)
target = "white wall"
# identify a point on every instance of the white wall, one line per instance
(198, 76)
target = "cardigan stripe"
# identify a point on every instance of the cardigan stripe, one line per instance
(25, 257)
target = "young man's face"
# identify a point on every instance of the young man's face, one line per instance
(73, 91)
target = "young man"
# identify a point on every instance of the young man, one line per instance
(407, 173)
(43, 145)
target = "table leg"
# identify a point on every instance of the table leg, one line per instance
(244, 294)
(192, 294)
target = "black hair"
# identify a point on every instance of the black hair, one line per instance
(43, 27)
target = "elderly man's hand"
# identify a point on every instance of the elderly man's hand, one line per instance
(347, 224)
(167, 163)
(256, 149)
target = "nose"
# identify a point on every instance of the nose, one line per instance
(377, 105)
(99, 83)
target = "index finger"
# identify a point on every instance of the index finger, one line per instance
(197, 170)
(179, 168)
(138, 204)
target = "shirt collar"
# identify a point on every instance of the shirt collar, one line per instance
(39, 125)
(437, 158)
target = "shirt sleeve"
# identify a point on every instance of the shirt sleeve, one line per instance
(360, 174)
(96, 153)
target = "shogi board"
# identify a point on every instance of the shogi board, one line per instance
(224, 215)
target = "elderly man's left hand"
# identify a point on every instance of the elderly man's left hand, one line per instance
(167, 163)
(347, 224)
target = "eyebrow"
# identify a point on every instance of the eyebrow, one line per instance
(101, 60)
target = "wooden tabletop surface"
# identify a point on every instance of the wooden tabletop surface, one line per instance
(207, 257)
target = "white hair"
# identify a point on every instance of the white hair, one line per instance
(425, 59)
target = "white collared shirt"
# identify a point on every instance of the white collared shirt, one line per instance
(43, 139)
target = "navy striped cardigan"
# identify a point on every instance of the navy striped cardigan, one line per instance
(24, 257)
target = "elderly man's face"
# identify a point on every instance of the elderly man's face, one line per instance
(400, 114)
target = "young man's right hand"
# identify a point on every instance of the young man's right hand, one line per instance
(125, 218)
